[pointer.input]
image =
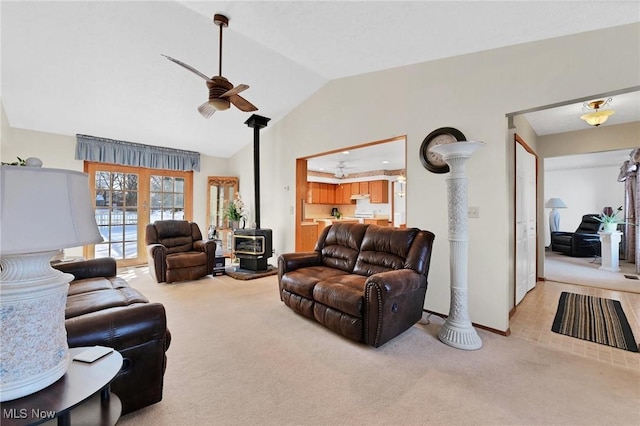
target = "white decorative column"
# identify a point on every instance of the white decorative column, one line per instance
(610, 249)
(457, 330)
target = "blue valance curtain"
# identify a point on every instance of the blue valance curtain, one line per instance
(92, 148)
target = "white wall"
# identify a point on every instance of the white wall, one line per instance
(472, 93)
(584, 191)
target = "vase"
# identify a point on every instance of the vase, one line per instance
(610, 227)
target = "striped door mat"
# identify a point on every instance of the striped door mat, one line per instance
(594, 319)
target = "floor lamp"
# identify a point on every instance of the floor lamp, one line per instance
(41, 211)
(554, 215)
(457, 330)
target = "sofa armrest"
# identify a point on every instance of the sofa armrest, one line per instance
(394, 301)
(92, 268)
(139, 332)
(561, 234)
(205, 245)
(393, 283)
(120, 327)
(291, 261)
(157, 258)
(208, 247)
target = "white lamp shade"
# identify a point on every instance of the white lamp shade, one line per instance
(45, 209)
(555, 203)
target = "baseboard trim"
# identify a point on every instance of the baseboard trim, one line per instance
(505, 333)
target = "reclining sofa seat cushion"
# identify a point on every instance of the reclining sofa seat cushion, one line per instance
(337, 254)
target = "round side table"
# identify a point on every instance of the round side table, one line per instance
(81, 397)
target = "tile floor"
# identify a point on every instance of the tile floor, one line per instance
(534, 316)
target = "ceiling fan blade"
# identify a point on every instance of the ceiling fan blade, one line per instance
(239, 88)
(242, 104)
(189, 67)
(206, 110)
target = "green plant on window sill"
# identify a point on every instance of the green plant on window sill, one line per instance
(20, 162)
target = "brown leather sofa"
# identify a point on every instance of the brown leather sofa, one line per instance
(177, 252)
(102, 309)
(366, 282)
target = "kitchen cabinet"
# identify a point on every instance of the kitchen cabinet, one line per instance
(309, 236)
(324, 197)
(313, 192)
(355, 188)
(379, 191)
(379, 222)
(364, 187)
(331, 193)
(343, 193)
(339, 190)
(321, 193)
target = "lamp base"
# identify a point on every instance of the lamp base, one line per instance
(460, 336)
(33, 351)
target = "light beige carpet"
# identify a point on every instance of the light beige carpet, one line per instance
(584, 271)
(239, 356)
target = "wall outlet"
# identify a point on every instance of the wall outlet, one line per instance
(290, 209)
(473, 212)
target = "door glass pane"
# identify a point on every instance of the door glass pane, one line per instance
(179, 185)
(167, 202)
(167, 184)
(156, 183)
(116, 200)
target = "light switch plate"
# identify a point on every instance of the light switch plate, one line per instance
(473, 212)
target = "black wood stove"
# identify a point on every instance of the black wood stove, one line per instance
(254, 246)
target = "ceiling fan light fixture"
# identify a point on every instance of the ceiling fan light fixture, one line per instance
(598, 116)
(220, 104)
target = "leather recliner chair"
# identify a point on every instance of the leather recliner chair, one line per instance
(177, 252)
(585, 242)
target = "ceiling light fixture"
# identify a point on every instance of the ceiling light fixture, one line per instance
(219, 104)
(597, 117)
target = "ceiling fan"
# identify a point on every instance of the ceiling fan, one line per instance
(221, 91)
(340, 170)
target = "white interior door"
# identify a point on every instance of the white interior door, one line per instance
(525, 222)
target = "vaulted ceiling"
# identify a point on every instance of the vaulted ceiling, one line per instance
(96, 67)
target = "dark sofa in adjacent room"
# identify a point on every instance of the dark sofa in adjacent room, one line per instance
(365, 282)
(585, 242)
(102, 309)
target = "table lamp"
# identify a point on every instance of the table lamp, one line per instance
(554, 214)
(41, 211)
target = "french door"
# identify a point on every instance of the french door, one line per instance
(127, 199)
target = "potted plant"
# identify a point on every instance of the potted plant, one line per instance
(609, 219)
(236, 212)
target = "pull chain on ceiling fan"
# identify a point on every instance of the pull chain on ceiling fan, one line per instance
(221, 91)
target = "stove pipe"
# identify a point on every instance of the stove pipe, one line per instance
(257, 122)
